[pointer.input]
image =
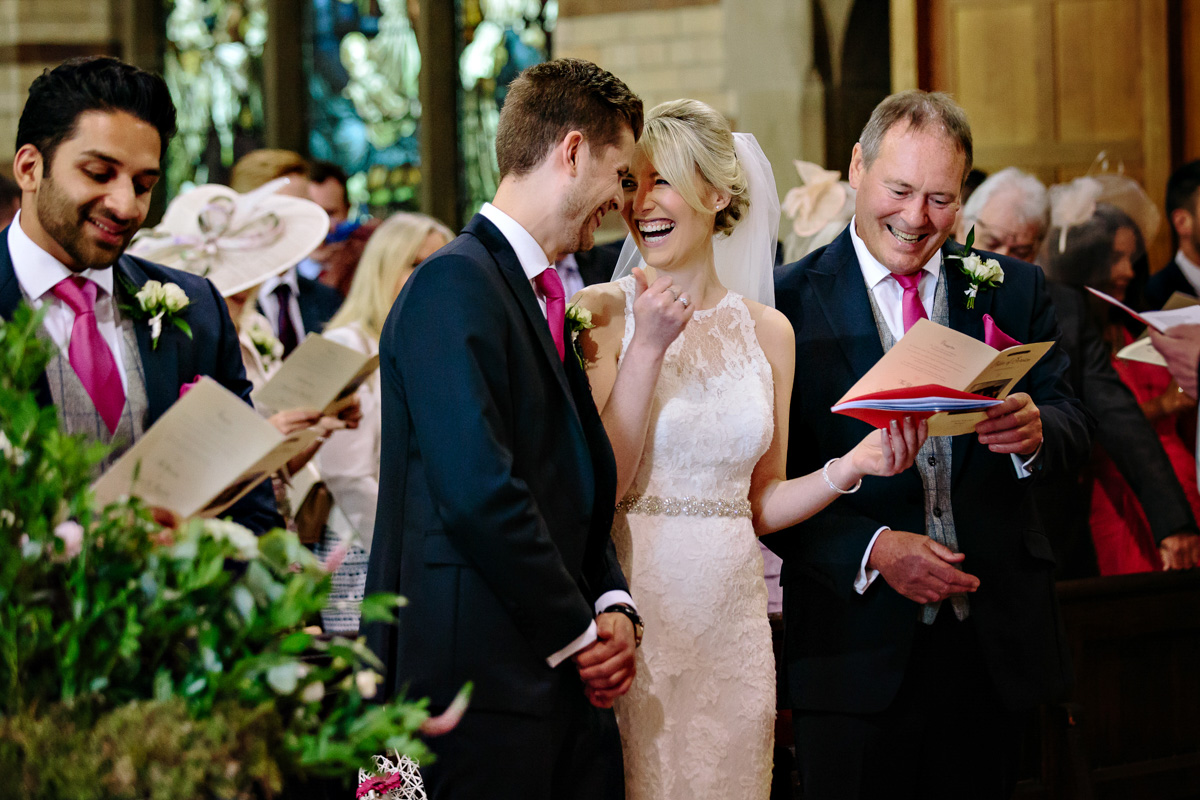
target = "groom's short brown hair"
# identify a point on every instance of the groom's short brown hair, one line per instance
(549, 100)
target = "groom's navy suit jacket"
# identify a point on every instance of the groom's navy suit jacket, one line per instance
(846, 652)
(213, 351)
(496, 486)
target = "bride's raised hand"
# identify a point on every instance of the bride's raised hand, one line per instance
(890, 450)
(660, 311)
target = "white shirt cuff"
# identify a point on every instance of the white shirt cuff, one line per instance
(580, 642)
(1024, 466)
(867, 576)
(587, 637)
(612, 598)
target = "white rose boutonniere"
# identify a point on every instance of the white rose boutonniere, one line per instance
(983, 274)
(266, 344)
(157, 303)
(579, 319)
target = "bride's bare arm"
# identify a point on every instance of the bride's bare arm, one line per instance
(778, 503)
(624, 396)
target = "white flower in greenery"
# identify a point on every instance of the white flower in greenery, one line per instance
(174, 298)
(579, 319)
(10, 452)
(982, 274)
(313, 693)
(266, 343)
(240, 537)
(150, 295)
(158, 303)
(983, 271)
(367, 680)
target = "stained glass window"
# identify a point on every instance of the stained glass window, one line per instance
(500, 38)
(213, 66)
(362, 65)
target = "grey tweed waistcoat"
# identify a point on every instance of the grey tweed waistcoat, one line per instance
(76, 412)
(933, 461)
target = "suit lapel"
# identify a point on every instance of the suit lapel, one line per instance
(160, 364)
(838, 284)
(518, 282)
(10, 287)
(970, 322)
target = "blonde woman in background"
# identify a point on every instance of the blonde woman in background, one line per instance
(349, 461)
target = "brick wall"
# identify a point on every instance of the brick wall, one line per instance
(749, 59)
(36, 34)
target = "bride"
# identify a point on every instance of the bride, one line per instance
(693, 381)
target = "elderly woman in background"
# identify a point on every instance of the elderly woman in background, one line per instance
(350, 459)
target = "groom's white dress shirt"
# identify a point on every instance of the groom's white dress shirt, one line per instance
(889, 297)
(533, 262)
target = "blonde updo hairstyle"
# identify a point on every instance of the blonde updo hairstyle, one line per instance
(686, 139)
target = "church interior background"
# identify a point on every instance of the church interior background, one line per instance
(404, 95)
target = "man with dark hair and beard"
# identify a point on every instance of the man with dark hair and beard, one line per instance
(90, 143)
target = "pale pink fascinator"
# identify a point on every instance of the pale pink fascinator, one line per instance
(814, 204)
(1074, 203)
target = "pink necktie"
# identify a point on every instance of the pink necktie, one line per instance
(89, 354)
(913, 309)
(556, 305)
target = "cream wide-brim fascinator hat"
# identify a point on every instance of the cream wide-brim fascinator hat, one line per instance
(235, 240)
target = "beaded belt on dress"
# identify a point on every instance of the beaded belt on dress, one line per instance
(653, 505)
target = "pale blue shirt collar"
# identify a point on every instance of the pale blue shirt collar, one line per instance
(874, 272)
(38, 272)
(1190, 270)
(529, 252)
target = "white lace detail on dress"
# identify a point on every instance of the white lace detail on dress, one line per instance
(698, 723)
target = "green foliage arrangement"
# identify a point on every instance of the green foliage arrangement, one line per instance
(142, 663)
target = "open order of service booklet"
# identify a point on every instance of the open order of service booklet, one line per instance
(939, 374)
(1142, 348)
(201, 456)
(319, 374)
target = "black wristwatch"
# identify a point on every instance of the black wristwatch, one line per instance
(638, 627)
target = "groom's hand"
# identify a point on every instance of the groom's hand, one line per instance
(918, 567)
(608, 665)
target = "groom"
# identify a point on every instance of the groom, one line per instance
(497, 482)
(920, 611)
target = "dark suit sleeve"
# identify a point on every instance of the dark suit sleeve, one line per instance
(256, 510)
(1123, 430)
(448, 348)
(1066, 426)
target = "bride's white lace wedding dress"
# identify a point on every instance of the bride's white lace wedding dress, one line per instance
(698, 722)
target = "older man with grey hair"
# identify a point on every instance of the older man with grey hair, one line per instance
(921, 626)
(1010, 212)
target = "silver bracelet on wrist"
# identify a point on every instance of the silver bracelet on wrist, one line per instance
(829, 482)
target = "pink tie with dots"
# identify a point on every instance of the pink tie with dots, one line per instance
(911, 304)
(551, 287)
(89, 354)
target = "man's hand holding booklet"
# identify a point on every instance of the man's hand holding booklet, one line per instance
(942, 375)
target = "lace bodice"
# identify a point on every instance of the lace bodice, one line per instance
(712, 417)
